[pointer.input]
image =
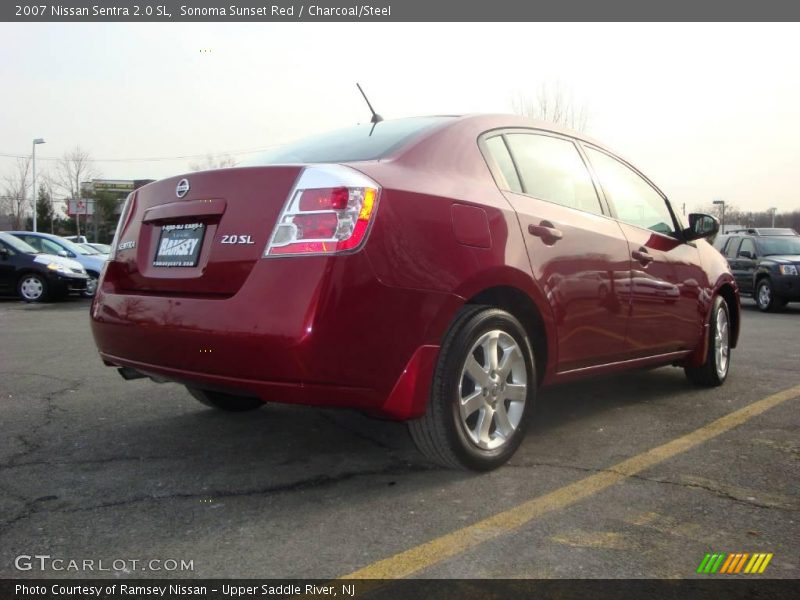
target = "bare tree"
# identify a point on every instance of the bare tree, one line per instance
(74, 167)
(552, 103)
(14, 199)
(213, 161)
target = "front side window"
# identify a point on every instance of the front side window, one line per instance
(635, 200)
(732, 247)
(552, 169)
(748, 246)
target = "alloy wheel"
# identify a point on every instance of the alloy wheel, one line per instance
(722, 342)
(764, 295)
(492, 390)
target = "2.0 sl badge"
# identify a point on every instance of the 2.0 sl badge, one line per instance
(236, 239)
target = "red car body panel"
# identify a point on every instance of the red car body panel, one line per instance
(363, 329)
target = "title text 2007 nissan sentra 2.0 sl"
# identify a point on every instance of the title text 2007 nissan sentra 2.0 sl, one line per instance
(437, 270)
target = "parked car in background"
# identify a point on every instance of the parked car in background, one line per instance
(59, 246)
(78, 239)
(765, 263)
(98, 248)
(436, 270)
(34, 276)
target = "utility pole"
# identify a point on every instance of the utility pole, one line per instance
(722, 216)
(33, 161)
(772, 210)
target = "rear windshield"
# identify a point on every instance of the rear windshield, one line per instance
(362, 142)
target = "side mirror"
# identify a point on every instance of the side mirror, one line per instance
(63, 253)
(701, 226)
(746, 254)
(4, 253)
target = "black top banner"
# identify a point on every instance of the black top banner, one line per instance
(398, 10)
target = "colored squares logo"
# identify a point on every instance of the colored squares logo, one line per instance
(734, 563)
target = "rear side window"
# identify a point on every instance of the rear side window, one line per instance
(552, 169)
(731, 247)
(498, 151)
(362, 142)
(635, 200)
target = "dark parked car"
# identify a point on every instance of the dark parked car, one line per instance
(766, 265)
(436, 270)
(54, 244)
(35, 276)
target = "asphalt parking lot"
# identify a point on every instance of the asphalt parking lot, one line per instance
(96, 468)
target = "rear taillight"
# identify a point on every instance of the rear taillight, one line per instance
(127, 208)
(328, 211)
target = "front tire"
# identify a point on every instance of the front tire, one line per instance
(32, 287)
(226, 402)
(91, 285)
(482, 391)
(766, 300)
(714, 371)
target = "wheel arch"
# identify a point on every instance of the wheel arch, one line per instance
(521, 305)
(728, 292)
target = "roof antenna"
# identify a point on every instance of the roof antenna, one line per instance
(376, 118)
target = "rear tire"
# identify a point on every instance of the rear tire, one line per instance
(482, 392)
(226, 402)
(714, 371)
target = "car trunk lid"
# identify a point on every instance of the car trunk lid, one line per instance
(200, 234)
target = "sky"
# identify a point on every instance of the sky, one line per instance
(707, 111)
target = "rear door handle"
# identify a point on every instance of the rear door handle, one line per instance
(642, 256)
(546, 231)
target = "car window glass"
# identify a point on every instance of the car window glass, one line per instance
(552, 169)
(33, 241)
(732, 247)
(748, 245)
(50, 247)
(635, 200)
(499, 152)
(367, 141)
(783, 245)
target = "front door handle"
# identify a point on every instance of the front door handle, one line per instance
(642, 256)
(546, 231)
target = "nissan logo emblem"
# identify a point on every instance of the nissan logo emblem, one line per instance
(182, 188)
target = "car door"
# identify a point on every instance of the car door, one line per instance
(746, 261)
(8, 268)
(578, 255)
(666, 275)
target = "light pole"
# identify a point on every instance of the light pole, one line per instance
(33, 161)
(772, 210)
(722, 217)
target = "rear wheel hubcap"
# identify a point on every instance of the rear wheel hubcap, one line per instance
(722, 342)
(492, 390)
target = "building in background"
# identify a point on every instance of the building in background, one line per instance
(100, 204)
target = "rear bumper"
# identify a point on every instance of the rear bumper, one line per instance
(327, 334)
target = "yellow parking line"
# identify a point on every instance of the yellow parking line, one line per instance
(442, 548)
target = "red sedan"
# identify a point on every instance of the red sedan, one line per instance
(437, 270)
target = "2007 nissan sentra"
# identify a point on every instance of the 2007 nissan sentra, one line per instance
(437, 270)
